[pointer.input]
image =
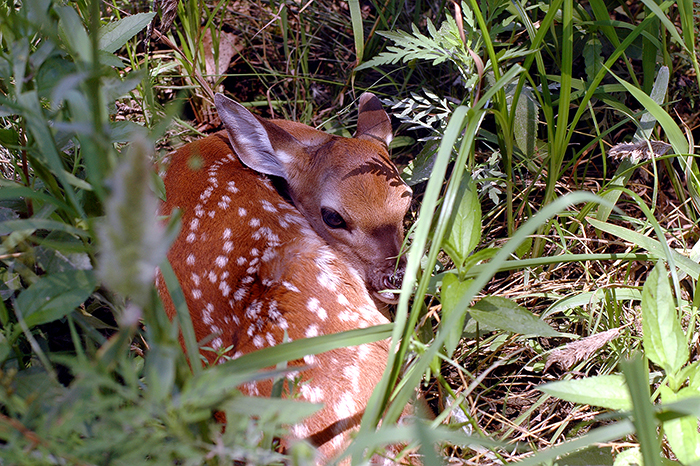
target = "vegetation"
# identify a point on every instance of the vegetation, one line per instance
(549, 311)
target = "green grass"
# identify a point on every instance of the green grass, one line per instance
(526, 237)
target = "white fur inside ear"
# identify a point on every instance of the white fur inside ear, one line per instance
(249, 138)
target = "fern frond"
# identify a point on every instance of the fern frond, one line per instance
(441, 45)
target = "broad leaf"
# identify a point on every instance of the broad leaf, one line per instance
(55, 296)
(451, 293)
(682, 433)
(525, 125)
(114, 35)
(607, 391)
(592, 55)
(663, 338)
(464, 230)
(503, 313)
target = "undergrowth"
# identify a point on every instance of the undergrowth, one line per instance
(549, 305)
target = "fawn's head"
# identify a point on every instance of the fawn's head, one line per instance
(347, 188)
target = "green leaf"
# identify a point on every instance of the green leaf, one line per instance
(464, 226)
(636, 373)
(114, 35)
(663, 338)
(72, 32)
(450, 295)
(55, 296)
(292, 350)
(291, 411)
(525, 126)
(357, 29)
(607, 391)
(592, 54)
(160, 371)
(682, 434)
(498, 312)
(594, 455)
(32, 224)
(629, 457)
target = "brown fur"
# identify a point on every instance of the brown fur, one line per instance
(247, 278)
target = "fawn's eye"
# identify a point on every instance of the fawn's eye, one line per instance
(332, 218)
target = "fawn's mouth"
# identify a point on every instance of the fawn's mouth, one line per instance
(390, 287)
(387, 296)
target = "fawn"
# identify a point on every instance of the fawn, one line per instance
(254, 265)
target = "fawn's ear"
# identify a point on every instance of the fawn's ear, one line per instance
(372, 121)
(260, 144)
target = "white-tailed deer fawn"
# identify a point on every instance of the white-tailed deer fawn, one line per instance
(253, 266)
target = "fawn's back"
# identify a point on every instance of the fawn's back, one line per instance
(254, 268)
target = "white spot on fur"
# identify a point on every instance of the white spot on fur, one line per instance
(242, 212)
(363, 351)
(241, 260)
(221, 261)
(212, 276)
(352, 373)
(195, 279)
(269, 254)
(311, 331)
(206, 314)
(227, 233)
(206, 194)
(253, 310)
(190, 238)
(311, 394)
(314, 305)
(346, 406)
(196, 294)
(290, 286)
(268, 207)
(348, 315)
(190, 259)
(310, 360)
(194, 224)
(225, 288)
(251, 388)
(240, 294)
(254, 222)
(300, 430)
(342, 300)
(228, 246)
(272, 311)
